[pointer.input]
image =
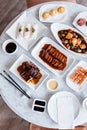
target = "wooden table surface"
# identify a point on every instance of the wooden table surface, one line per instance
(8, 10)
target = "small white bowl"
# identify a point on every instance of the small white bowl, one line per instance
(84, 104)
(50, 80)
(5, 44)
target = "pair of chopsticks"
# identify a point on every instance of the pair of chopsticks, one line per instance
(13, 82)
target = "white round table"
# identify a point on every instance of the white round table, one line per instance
(21, 105)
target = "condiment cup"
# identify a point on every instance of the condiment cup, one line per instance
(53, 88)
(6, 43)
(39, 104)
(84, 104)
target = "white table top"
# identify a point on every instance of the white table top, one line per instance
(19, 103)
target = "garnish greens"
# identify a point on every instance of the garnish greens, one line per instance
(27, 29)
(20, 29)
(33, 30)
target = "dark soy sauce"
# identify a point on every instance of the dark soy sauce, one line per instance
(39, 109)
(42, 103)
(11, 47)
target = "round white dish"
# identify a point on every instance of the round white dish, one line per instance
(7, 42)
(14, 99)
(52, 104)
(52, 90)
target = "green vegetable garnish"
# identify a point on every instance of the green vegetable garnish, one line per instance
(33, 30)
(72, 46)
(20, 30)
(27, 29)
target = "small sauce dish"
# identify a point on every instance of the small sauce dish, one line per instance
(10, 47)
(39, 105)
(52, 84)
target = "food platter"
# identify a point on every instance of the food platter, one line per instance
(23, 58)
(37, 50)
(74, 84)
(73, 44)
(18, 102)
(27, 20)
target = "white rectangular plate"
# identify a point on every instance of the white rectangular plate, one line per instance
(19, 61)
(72, 84)
(59, 17)
(26, 18)
(38, 47)
(83, 28)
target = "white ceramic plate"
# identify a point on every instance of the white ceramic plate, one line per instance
(38, 47)
(18, 62)
(55, 27)
(83, 28)
(60, 17)
(72, 84)
(26, 18)
(52, 105)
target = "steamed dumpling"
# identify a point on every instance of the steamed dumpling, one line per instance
(53, 12)
(34, 28)
(45, 15)
(27, 31)
(61, 9)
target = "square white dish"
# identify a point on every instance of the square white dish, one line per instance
(72, 84)
(26, 18)
(18, 62)
(82, 28)
(60, 17)
(38, 47)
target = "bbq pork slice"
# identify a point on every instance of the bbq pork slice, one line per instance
(53, 57)
(29, 71)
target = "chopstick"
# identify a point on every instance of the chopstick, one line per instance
(11, 81)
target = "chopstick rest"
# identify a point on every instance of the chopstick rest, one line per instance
(65, 112)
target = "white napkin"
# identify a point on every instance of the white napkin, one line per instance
(65, 112)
